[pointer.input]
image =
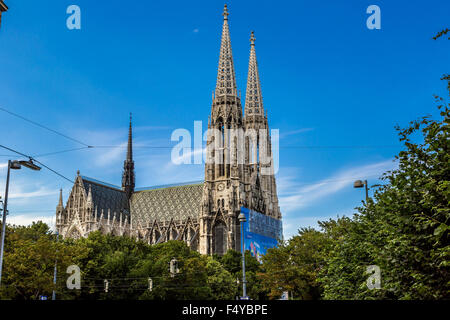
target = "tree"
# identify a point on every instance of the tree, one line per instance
(221, 282)
(29, 261)
(109, 258)
(189, 283)
(232, 261)
(293, 266)
(405, 228)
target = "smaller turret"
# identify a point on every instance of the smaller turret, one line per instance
(128, 166)
(60, 212)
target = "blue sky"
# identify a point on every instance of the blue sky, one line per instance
(330, 85)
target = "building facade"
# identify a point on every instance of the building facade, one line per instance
(238, 174)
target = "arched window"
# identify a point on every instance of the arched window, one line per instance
(220, 239)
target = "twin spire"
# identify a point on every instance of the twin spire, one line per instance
(253, 96)
(226, 85)
(226, 78)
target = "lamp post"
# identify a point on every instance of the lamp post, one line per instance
(242, 219)
(56, 266)
(15, 165)
(360, 184)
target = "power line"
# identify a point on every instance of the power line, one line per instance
(44, 127)
(169, 147)
(59, 152)
(31, 158)
(281, 147)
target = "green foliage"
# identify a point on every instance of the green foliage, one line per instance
(232, 262)
(29, 261)
(127, 265)
(221, 282)
(404, 229)
(294, 266)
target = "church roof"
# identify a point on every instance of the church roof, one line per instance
(166, 202)
(106, 196)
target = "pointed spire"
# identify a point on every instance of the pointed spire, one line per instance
(128, 166)
(226, 78)
(130, 142)
(89, 197)
(253, 96)
(60, 202)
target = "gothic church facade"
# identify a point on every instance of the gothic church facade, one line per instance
(203, 214)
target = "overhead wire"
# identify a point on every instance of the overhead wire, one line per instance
(37, 161)
(43, 126)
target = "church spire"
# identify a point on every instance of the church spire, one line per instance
(128, 166)
(226, 78)
(253, 97)
(60, 202)
(130, 143)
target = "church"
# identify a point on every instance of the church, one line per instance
(238, 178)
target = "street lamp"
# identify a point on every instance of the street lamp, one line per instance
(15, 165)
(360, 184)
(242, 219)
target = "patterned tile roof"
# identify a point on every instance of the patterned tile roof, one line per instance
(163, 204)
(106, 196)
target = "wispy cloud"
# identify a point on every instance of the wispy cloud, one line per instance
(187, 156)
(293, 132)
(294, 195)
(41, 192)
(151, 128)
(111, 155)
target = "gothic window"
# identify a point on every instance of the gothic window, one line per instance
(174, 234)
(247, 148)
(74, 234)
(220, 239)
(252, 152)
(156, 236)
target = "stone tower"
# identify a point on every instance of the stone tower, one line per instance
(236, 172)
(259, 178)
(218, 221)
(128, 177)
